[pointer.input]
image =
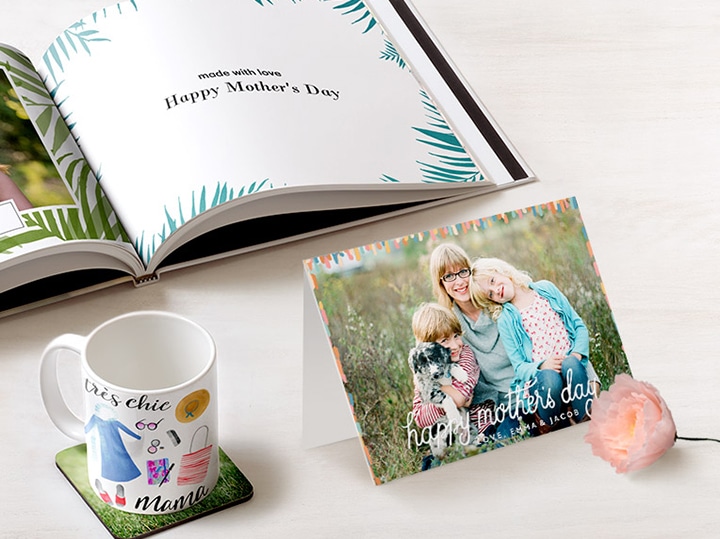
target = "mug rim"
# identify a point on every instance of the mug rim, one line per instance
(150, 313)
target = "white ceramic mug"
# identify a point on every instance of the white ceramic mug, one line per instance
(149, 381)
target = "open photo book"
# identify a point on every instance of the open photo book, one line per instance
(156, 134)
(452, 342)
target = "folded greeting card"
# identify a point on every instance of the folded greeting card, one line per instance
(452, 342)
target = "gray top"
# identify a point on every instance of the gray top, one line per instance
(496, 371)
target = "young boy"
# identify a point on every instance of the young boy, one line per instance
(432, 322)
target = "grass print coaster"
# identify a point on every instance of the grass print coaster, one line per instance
(232, 488)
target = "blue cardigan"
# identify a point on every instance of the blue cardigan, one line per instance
(518, 344)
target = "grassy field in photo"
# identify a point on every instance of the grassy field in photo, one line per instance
(369, 303)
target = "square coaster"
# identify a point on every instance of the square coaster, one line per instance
(232, 488)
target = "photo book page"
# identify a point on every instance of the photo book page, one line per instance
(152, 135)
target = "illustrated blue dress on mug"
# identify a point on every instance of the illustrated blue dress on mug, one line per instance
(116, 463)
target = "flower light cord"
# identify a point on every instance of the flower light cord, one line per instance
(691, 439)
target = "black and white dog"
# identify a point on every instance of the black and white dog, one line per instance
(431, 365)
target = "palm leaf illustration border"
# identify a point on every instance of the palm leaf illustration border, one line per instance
(358, 7)
(76, 39)
(452, 163)
(93, 219)
(198, 204)
(391, 54)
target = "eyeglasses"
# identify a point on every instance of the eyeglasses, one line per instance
(140, 425)
(450, 277)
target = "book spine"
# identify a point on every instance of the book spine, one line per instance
(144, 280)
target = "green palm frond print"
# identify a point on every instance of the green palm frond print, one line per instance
(359, 9)
(93, 217)
(76, 39)
(106, 11)
(175, 218)
(89, 221)
(270, 3)
(35, 97)
(451, 161)
(391, 53)
(356, 8)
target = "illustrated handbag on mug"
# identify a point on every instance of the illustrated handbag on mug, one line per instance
(194, 465)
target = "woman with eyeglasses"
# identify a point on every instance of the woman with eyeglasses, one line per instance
(450, 270)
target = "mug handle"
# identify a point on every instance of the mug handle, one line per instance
(60, 413)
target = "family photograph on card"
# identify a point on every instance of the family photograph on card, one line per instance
(467, 338)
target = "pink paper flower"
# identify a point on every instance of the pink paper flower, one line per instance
(631, 425)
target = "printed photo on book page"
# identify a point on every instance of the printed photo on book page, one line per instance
(48, 195)
(182, 105)
(467, 338)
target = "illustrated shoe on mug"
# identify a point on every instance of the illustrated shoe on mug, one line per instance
(104, 495)
(120, 496)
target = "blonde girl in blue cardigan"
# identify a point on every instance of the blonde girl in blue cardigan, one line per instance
(546, 340)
